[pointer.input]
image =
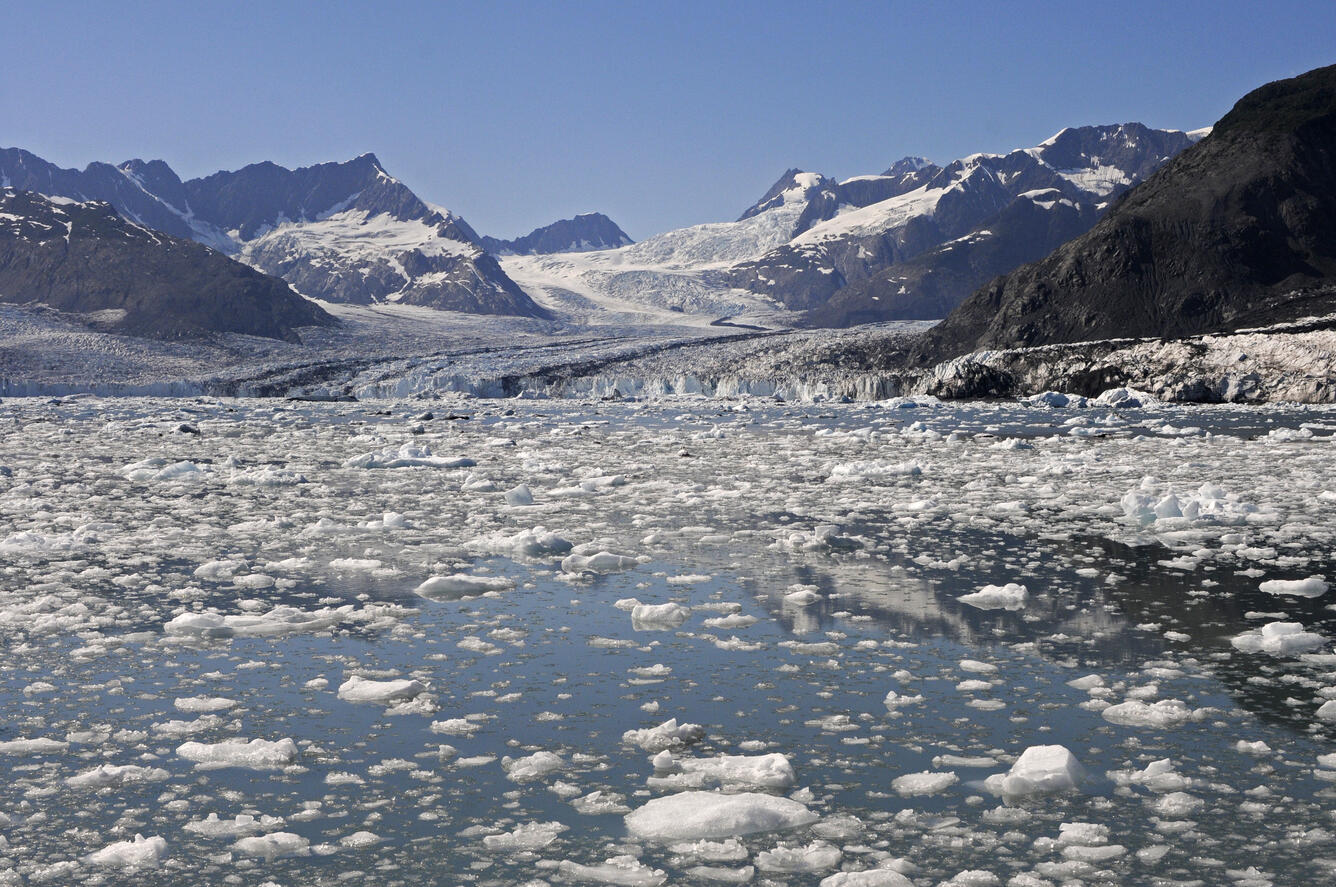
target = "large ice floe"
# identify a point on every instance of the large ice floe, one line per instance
(686, 640)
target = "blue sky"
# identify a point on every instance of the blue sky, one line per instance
(515, 114)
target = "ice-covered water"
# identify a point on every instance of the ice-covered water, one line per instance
(258, 642)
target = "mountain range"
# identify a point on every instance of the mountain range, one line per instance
(1238, 231)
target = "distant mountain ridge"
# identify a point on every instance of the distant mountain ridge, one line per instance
(86, 259)
(344, 232)
(587, 231)
(1238, 231)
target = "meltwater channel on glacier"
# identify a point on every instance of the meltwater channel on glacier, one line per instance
(678, 642)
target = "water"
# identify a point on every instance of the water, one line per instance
(722, 508)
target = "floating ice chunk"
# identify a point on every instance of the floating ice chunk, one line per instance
(895, 700)
(757, 771)
(461, 586)
(1041, 769)
(625, 871)
(870, 878)
(267, 477)
(847, 472)
(280, 620)
(802, 595)
(924, 783)
(731, 850)
(534, 766)
(360, 840)
(39, 746)
(1327, 710)
(722, 874)
(529, 836)
(197, 704)
(218, 571)
(406, 456)
(158, 469)
(1056, 399)
(141, 852)
(1011, 596)
(693, 815)
(1313, 586)
(256, 754)
(105, 775)
(823, 537)
(1160, 715)
(1127, 398)
(1278, 639)
(240, 826)
(360, 689)
(815, 857)
(276, 845)
(732, 620)
(456, 727)
(535, 543)
(602, 562)
(669, 734)
(1176, 805)
(600, 803)
(658, 616)
(1158, 776)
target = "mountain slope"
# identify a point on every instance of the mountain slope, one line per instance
(345, 232)
(871, 224)
(587, 231)
(1237, 231)
(84, 258)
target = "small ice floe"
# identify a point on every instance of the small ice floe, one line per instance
(694, 815)
(106, 775)
(1151, 502)
(772, 771)
(203, 704)
(1127, 398)
(601, 562)
(600, 803)
(530, 767)
(267, 477)
(461, 587)
(1011, 596)
(535, 543)
(823, 537)
(255, 754)
(625, 871)
(281, 620)
(657, 617)
(238, 827)
(669, 734)
(38, 746)
(138, 853)
(406, 456)
(360, 840)
(896, 700)
(276, 845)
(1313, 586)
(1278, 639)
(1161, 715)
(879, 877)
(858, 472)
(1056, 399)
(360, 689)
(519, 496)
(925, 783)
(529, 836)
(1157, 776)
(1041, 769)
(159, 470)
(818, 856)
(802, 595)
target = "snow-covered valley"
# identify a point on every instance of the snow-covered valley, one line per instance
(693, 640)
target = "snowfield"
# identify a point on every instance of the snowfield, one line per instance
(718, 639)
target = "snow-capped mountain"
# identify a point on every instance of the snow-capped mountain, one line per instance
(915, 207)
(85, 259)
(344, 232)
(909, 243)
(587, 231)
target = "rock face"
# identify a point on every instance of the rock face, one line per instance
(85, 259)
(344, 232)
(587, 231)
(1237, 232)
(916, 240)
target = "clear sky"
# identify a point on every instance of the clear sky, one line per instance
(515, 114)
